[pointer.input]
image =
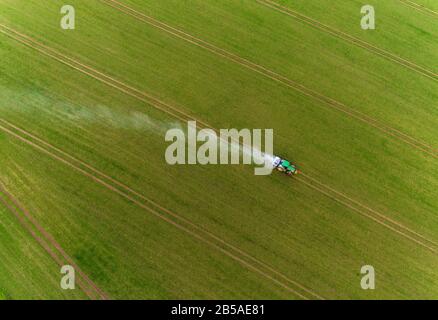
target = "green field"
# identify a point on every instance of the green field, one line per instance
(82, 149)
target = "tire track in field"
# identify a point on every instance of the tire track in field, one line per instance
(349, 38)
(327, 101)
(343, 195)
(115, 85)
(369, 213)
(183, 224)
(108, 80)
(145, 97)
(420, 7)
(403, 234)
(46, 240)
(49, 238)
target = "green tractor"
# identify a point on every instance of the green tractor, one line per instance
(285, 166)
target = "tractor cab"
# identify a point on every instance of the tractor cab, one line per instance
(285, 166)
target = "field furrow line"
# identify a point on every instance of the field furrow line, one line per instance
(327, 101)
(420, 8)
(368, 208)
(108, 80)
(10, 202)
(51, 240)
(377, 217)
(176, 112)
(349, 38)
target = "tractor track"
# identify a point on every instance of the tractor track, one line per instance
(327, 101)
(268, 3)
(158, 104)
(173, 111)
(182, 224)
(372, 214)
(380, 215)
(349, 38)
(420, 8)
(46, 241)
(110, 81)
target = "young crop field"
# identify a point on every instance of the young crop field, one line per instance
(84, 181)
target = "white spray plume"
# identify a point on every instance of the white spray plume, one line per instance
(258, 156)
(24, 101)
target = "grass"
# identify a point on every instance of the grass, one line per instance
(275, 41)
(299, 231)
(27, 271)
(125, 250)
(399, 28)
